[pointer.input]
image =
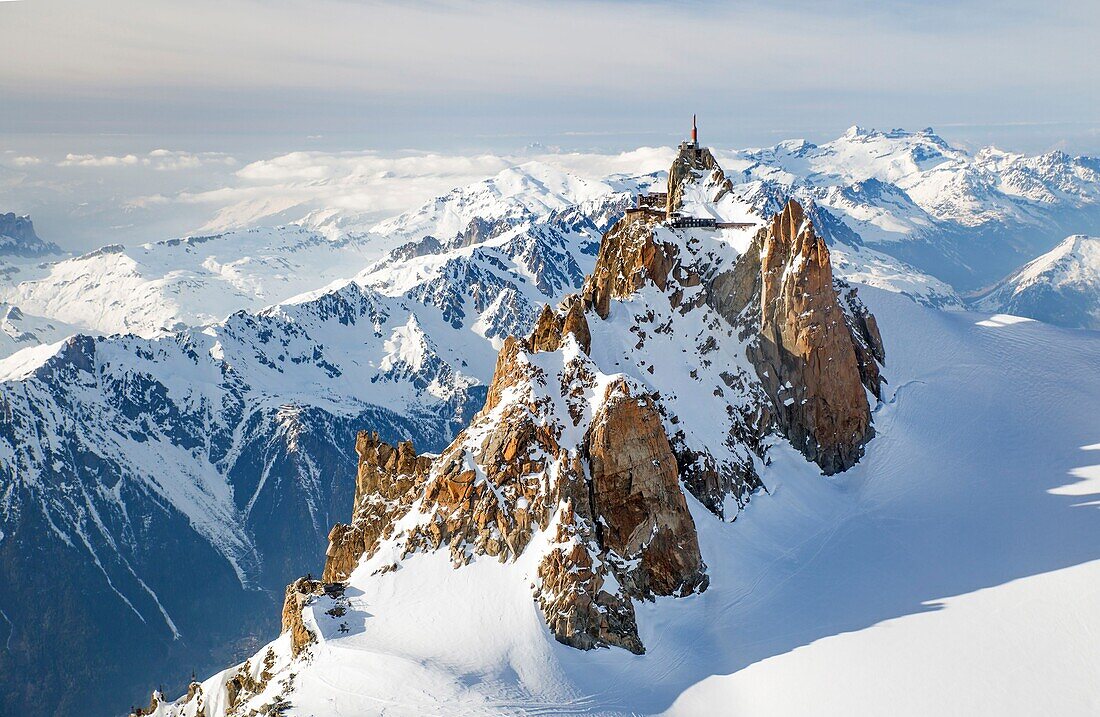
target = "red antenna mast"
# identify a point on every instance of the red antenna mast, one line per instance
(694, 131)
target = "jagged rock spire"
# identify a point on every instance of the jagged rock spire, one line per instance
(813, 359)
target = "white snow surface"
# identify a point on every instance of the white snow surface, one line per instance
(408, 336)
(158, 287)
(1076, 261)
(19, 330)
(955, 570)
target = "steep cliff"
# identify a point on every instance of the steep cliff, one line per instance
(813, 353)
(18, 238)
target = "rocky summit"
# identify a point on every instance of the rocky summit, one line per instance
(698, 341)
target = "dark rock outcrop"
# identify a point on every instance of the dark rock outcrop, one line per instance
(629, 257)
(298, 593)
(552, 326)
(17, 238)
(641, 513)
(695, 166)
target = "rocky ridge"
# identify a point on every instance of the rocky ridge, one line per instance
(539, 456)
(584, 454)
(813, 358)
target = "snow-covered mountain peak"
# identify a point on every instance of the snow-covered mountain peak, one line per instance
(1075, 260)
(1061, 287)
(516, 193)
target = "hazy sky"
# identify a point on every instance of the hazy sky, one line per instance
(450, 73)
(152, 107)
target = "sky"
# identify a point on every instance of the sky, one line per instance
(211, 86)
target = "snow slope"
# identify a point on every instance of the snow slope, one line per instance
(1060, 287)
(19, 330)
(953, 571)
(164, 286)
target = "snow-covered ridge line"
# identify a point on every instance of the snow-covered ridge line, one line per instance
(1061, 287)
(167, 285)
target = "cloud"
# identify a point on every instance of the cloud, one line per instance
(593, 165)
(159, 159)
(353, 190)
(91, 160)
(24, 161)
(167, 160)
(359, 186)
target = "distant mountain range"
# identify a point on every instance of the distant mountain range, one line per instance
(966, 219)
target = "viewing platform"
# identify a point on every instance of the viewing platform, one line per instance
(681, 222)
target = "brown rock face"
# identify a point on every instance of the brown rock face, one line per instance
(629, 257)
(552, 326)
(627, 532)
(243, 685)
(863, 327)
(812, 357)
(612, 493)
(298, 594)
(387, 482)
(641, 513)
